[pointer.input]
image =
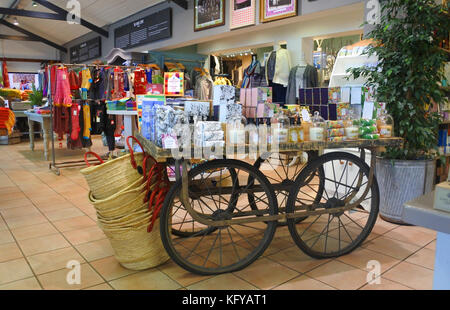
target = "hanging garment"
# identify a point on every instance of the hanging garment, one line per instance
(6, 83)
(62, 96)
(86, 143)
(282, 67)
(61, 119)
(96, 111)
(311, 77)
(119, 91)
(74, 84)
(98, 85)
(86, 81)
(254, 68)
(52, 81)
(109, 83)
(296, 81)
(278, 93)
(75, 122)
(119, 126)
(140, 82)
(131, 82)
(149, 75)
(87, 121)
(45, 83)
(203, 87)
(270, 66)
(108, 127)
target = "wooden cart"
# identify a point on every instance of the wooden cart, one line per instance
(222, 214)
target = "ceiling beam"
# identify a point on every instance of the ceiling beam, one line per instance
(27, 60)
(34, 36)
(16, 38)
(63, 12)
(33, 14)
(181, 3)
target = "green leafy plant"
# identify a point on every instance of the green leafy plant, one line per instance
(407, 76)
(36, 97)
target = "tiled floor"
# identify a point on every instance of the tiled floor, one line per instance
(47, 221)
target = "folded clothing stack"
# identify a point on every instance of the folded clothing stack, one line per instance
(209, 134)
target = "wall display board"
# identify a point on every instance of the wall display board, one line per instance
(86, 51)
(208, 14)
(277, 9)
(243, 13)
(155, 27)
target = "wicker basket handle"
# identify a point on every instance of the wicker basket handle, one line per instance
(93, 154)
(133, 161)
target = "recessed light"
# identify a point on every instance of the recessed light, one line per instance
(34, 4)
(15, 21)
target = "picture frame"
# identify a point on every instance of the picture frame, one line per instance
(174, 84)
(271, 10)
(242, 13)
(208, 14)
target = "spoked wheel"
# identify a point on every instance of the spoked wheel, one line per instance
(334, 233)
(282, 171)
(217, 195)
(229, 175)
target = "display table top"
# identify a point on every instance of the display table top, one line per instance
(421, 212)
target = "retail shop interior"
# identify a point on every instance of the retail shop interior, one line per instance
(214, 155)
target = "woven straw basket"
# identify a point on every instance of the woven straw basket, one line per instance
(135, 248)
(122, 203)
(113, 176)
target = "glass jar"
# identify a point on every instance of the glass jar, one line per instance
(280, 124)
(236, 130)
(318, 128)
(296, 130)
(351, 123)
(385, 125)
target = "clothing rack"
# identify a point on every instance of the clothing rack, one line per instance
(54, 166)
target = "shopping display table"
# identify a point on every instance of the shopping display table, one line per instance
(45, 120)
(421, 212)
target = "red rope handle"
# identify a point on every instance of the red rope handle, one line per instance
(133, 160)
(93, 154)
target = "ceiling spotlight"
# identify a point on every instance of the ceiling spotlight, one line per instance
(16, 22)
(34, 3)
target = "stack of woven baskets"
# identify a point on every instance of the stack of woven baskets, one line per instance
(120, 194)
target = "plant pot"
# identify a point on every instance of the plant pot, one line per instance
(401, 181)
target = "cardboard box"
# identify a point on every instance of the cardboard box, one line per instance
(442, 197)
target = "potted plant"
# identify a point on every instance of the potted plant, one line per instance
(407, 43)
(36, 98)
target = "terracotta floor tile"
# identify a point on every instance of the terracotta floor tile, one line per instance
(385, 285)
(57, 280)
(19, 212)
(382, 227)
(361, 257)
(222, 282)
(14, 270)
(56, 206)
(24, 221)
(100, 287)
(411, 234)
(279, 244)
(3, 225)
(84, 235)
(96, 250)
(391, 247)
(63, 214)
(266, 274)
(33, 231)
(43, 244)
(9, 251)
(411, 275)
(180, 275)
(110, 269)
(152, 279)
(17, 203)
(13, 193)
(295, 259)
(431, 245)
(424, 258)
(30, 284)
(53, 260)
(46, 199)
(339, 275)
(5, 237)
(75, 223)
(304, 283)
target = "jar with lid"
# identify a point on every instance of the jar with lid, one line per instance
(351, 123)
(236, 130)
(280, 124)
(385, 125)
(318, 128)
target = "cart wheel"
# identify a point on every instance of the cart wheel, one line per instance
(282, 170)
(216, 195)
(181, 212)
(334, 234)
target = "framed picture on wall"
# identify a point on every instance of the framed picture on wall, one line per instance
(277, 9)
(243, 13)
(208, 14)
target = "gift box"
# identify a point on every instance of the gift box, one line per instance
(155, 89)
(224, 94)
(334, 95)
(229, 111)
(342, 109)
(265, 110)
(200, 109)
